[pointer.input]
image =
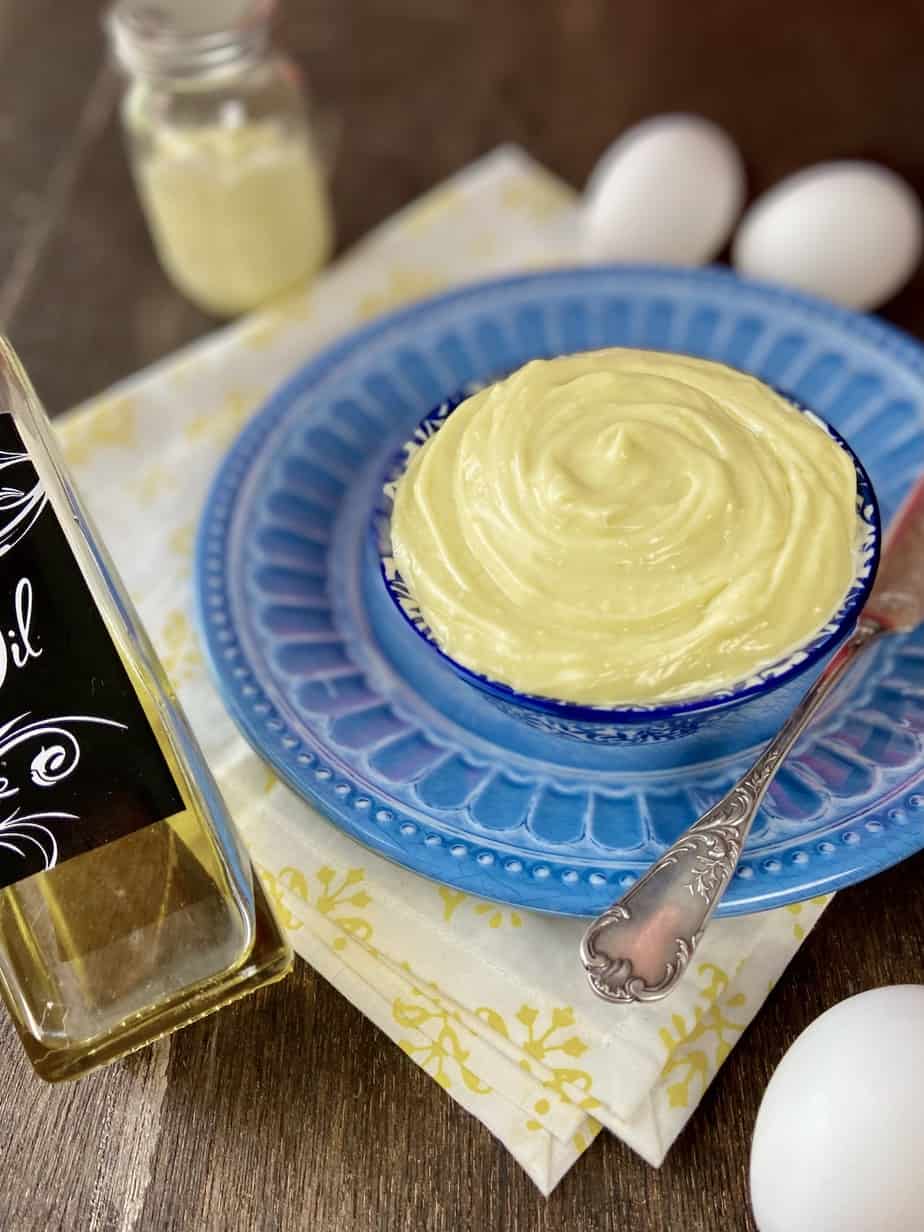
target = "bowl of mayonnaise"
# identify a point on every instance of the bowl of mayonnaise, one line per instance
(624, 545)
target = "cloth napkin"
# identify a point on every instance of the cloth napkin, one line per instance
(490, 1001)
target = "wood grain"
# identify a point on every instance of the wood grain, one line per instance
(289, 1110)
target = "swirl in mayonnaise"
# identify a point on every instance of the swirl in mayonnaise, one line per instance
(626, 527)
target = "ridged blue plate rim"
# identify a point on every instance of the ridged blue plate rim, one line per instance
(817, 351)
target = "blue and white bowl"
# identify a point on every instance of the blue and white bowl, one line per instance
(774, 689)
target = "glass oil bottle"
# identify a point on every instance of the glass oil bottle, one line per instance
(128, 907)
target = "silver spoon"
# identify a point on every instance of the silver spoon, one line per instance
(638, 949)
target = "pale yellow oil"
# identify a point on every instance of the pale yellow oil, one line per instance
(112, 949)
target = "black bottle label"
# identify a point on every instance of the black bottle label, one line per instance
(79, 764)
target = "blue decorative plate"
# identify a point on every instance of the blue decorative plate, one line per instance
(328, 682)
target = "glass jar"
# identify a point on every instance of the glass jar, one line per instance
(128, 906)
(223, 150)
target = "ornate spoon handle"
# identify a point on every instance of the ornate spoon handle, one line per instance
(638, 949)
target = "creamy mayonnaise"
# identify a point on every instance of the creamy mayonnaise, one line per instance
(626, 526)
(239, 214)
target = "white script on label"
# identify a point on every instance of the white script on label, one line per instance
(16, 643)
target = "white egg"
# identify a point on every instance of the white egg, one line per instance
(668, 191)
(850, 232)
(839, 1140)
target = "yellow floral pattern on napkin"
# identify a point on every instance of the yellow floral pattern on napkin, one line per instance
(331, 893)
(441, 1053)
(696, 1048)
(548, 1039)
(179, 653)
(798, 909)
(108, 425)
(540, 197)
(398, 287)
(494, 915)
(222, 427)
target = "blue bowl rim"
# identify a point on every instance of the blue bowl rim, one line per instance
(728, 698)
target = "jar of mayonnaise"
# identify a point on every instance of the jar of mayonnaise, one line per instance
(223, 150)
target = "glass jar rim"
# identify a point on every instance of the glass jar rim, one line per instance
(183, 39)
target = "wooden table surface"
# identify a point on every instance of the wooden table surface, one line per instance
(290, 1110)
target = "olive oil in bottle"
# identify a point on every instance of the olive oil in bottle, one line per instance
(128, 906)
